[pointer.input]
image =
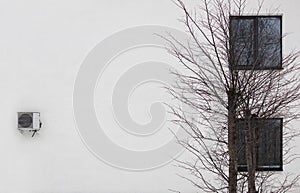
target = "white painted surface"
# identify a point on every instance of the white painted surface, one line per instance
(42, 45)
(36, 121)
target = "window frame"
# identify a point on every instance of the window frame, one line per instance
(263, 167)
(256, 39)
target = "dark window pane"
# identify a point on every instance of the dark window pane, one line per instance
(269, 41)
(256, 42)
(243, 41)
(269, 144)
(241, 145)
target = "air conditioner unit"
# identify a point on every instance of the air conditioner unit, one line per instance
(29, 121)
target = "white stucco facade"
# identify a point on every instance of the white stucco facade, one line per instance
(42, 46)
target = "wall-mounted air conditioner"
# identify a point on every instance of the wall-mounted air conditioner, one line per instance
(29, 121)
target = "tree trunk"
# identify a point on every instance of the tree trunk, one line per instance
(250, 153)
(232, 143)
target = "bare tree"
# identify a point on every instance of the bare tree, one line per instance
(231, 78)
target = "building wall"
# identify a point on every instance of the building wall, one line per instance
(42, 46)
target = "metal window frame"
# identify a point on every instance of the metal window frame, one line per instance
(255, 19)
(243, 168)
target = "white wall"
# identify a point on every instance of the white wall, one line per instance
(42, 45)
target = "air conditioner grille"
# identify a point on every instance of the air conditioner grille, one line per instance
(25, 121)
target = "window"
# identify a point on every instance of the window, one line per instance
(256, 42)
(268, 144)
